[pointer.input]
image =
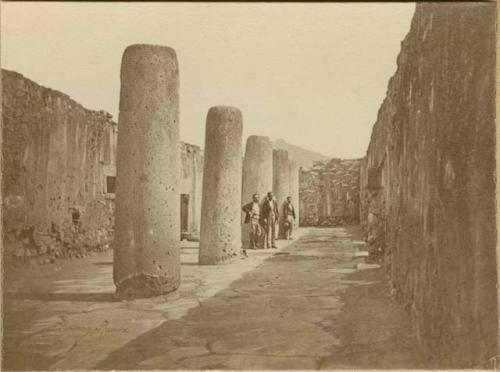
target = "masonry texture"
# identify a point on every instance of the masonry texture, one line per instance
(329, 193)
(428, 182)
(257, 174)
(42, 227)
(220, 236)
(146, 259)
(59, 168)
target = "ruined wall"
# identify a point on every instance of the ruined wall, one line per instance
(428, 182)
(191, 185)
(57, 156)
(329, 193)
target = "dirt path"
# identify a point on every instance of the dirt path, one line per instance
(304, 308)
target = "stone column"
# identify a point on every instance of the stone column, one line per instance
(1, 198)
(281, 183)
(294, 189)
(146, 247)
(257, 175)
(220, 235)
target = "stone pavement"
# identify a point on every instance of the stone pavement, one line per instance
(65, 315)
(305, 307)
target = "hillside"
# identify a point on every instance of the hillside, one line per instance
(305, 158)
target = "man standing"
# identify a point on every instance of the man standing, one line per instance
(269, 218)
(252, 211)
(289, 216)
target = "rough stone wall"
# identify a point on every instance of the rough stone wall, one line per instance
(428, 182)
(191, 184)
(329, 193)
(56, 155)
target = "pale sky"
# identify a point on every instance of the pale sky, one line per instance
(312, 74)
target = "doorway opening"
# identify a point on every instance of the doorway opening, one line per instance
(184, 216)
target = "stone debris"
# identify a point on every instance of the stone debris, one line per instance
(30, 244)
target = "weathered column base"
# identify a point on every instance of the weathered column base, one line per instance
(142, 285)
(210, 260)
(245, 236)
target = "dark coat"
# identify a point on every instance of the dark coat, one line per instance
(286, 211)
(247, 208)
(267, 209)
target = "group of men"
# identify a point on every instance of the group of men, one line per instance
(264, 217)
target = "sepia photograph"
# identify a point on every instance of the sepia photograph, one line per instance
(248, 186)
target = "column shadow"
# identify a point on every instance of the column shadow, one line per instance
(71, 297)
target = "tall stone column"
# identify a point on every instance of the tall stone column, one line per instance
(281, 183)
(147, 221)
(220, 235)
(1, 197)
(294, 189)
(257, 175)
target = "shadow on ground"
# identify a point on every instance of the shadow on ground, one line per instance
(305, 308)
(375, 332)
(76, 297)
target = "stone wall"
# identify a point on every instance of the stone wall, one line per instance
(57, 159)
(329, 193)
(428, 182)
(59, 168)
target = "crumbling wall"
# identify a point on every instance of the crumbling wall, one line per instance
(59, 169)
(191, 185)
(57, 159)
(329, 193)
(428, 182)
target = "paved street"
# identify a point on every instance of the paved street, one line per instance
(65, 315)
(305, 307)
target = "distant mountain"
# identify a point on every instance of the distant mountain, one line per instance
(304, 158)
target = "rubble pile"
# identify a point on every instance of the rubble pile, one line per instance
(67, 241)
